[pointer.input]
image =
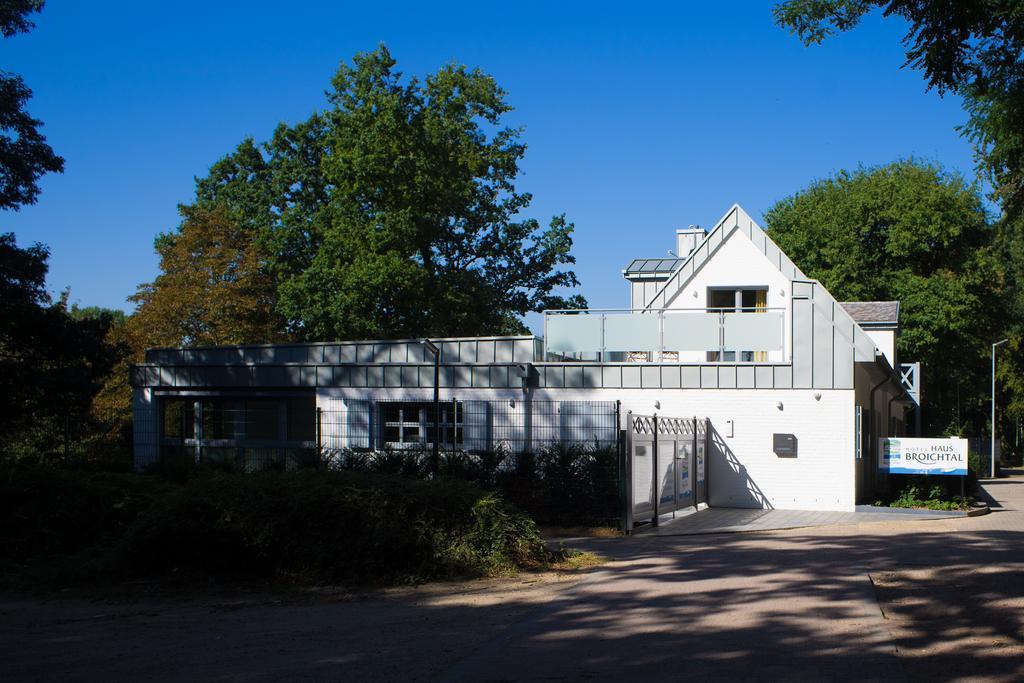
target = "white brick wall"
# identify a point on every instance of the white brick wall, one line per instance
(744, 470)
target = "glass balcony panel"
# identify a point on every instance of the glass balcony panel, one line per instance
(634, 332)
(753, 331)
(574, 333)
(692, 331)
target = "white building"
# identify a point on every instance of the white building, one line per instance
(730, 330)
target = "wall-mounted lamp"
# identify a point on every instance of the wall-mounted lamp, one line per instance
(817, 395)
(657, 405)
(779, 405)
(695, 295)
(512, 404)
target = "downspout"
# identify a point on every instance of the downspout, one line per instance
(874, 437)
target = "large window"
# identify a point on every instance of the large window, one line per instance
(405, 423)
(738, 300)
(263, 420)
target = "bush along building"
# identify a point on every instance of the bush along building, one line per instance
(793, 389)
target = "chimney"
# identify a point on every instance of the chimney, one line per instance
(688, 239)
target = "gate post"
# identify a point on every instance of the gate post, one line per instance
(626, 441)
(694, 470)
(656, 475)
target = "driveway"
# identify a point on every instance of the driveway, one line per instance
(894, 600)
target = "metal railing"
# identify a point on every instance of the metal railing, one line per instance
(731, 335)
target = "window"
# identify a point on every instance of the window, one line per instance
(412, 422)
(737, 300)
(302, 419)
(223, 419)
(179, 418)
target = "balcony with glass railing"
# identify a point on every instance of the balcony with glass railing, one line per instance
(703, 335)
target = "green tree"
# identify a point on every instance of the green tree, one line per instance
(24, 154)
(911, 232)
(394, 212)
(213, 288)
(51, 364)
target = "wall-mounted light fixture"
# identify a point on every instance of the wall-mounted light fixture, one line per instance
(817, 395)
(657, 405)
(779, 405)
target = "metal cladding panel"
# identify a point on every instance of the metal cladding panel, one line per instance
(342, 377)
(843, 364)
(689, 377)
(463, 376)
(364, 353)
(803, 343)
(393, 376)
(382, 353)
(726, 377)
(708, 377)
(503, 351)
(670, 377)
(447, 376)
(331, 354)
(347, 353)
(375, 376)
(783, 376)
(630, 378)
(744, 377)
(573, 377)
(554, 377)
(485, 351)
(592, 376)
(357, 376)
(803, 289)
(823, 351)
(426, 377)
(417, 353)
(324, 376)
(522, 350)
(650, 377)
(499, 376)
(450, 352)
(764, 377)
(410, 376)
(612, 377)
(467, 351)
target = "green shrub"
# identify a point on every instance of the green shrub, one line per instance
(46, 511)
(330, 526)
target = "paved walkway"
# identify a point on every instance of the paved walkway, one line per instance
(880, 600)
(732, 520)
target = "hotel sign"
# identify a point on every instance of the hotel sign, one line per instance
(923, 456)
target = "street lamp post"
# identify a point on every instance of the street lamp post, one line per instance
(992, 448)
(433, 348)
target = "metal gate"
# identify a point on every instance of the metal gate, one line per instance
(666, 466)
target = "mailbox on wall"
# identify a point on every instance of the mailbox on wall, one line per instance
(784, 445)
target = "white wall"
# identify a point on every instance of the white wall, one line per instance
(744, 470)
(885, 340)
(738, 263)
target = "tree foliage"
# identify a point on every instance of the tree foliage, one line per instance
(394, 212)
(911, 232)
(213, 288)
(51, 363)
(25, 155)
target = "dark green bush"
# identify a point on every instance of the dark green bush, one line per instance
(330, 526)
(46, 511)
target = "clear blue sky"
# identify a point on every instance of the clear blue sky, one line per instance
(638, 120)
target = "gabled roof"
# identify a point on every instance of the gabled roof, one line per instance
(873, 312)
(652, 266)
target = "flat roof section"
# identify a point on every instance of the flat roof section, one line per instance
(652, 266)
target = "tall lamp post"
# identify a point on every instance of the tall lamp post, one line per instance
(992, 452)
(433, 348)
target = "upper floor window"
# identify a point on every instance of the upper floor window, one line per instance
(738, 300)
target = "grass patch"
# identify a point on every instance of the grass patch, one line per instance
(578, 561)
